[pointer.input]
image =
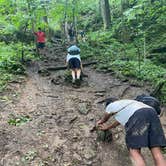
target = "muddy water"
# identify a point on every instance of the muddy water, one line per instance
(58, 133)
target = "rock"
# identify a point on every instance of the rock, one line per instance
(67, 164)
(89, 153)
(44, 72)
(75, 137)
(83, 108)
(88, 163)
(116, 136)
(55, 81)
(77, 157)
(99, 94)
(105, 136)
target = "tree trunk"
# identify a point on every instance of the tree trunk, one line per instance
(105, 11)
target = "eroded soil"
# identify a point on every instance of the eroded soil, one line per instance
(57, 131)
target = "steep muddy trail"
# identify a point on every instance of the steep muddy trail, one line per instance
(58, 131)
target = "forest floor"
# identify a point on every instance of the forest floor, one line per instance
(51, 129)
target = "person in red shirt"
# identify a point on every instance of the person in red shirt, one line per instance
(41, 39)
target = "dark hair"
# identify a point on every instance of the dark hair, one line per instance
(109, 100)
(39, 29)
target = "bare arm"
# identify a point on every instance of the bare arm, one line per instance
(104, 119)
(107, 127)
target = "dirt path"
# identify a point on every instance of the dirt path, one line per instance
(58, 133)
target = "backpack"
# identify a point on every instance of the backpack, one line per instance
(151, 101)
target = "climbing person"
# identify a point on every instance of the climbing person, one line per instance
(142, 128)
(41, 39)
(73, 61)
(71, 33)
(82, 35)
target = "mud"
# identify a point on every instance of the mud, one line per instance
(58, 133)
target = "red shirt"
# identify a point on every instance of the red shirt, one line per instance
(40, 37)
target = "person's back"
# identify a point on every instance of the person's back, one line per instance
(74, 62)
(71, 33)
(73, 50)
(125, 108)
(142, 128)
(40, 37)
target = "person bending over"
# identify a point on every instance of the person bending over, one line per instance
(73, 61)
(142, 128)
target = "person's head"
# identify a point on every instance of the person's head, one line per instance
(39, 29)
(110, 100)
(72, 43)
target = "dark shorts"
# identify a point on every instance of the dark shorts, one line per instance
(40, 45)
(74, 63)
(144, 129)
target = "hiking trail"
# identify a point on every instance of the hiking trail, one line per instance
(59, 118)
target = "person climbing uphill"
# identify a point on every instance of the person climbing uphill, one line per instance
(41, 39)
(73, 61)
(71, 33)
(142, 127)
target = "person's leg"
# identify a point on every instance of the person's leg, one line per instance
(42, 51)
(136, 157)
(157, 156)
(73, 76)
(78, 73)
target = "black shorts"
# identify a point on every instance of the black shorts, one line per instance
(144, 129)
(74, 63)
(40, 45)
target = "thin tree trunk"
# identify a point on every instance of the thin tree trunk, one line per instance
(65, 23)
(105, 11)
(75, 20)
(144, 48)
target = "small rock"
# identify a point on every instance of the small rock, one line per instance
(83, 108)
(77, 156)
(75, 137)
(89, 153)
(44, 72)
(99, 94)
(116, 136)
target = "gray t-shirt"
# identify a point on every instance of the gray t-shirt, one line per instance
(125, 109)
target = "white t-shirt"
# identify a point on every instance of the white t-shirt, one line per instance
(125, 109)
(72, 56)
(73, 48)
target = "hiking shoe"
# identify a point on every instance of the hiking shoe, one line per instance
(73, 81)
(78, 82)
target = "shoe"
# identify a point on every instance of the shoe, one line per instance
(78, 82)
(73, 81)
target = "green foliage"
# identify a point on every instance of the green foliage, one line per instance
(11, 62)
(67, 76)
(29, 156)
(10, 58)
(4, 78)
(148, 72)
(17, 121)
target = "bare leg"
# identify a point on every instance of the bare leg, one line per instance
(78, 73)
(41, 51)
(136, 157)
(73, 76)
(158, 157)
